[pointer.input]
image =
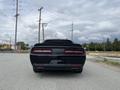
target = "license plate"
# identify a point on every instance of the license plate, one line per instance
(55, 61)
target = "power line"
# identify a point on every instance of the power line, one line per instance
(39, 28)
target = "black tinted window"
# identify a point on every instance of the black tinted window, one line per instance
(58, 42)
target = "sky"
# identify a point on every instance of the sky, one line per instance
(94, 20)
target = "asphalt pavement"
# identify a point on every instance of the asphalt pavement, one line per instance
(16, 74)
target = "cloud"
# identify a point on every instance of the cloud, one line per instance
(93, 20)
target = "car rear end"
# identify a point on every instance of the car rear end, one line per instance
(58, 58)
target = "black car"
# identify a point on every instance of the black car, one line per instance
(57, 54)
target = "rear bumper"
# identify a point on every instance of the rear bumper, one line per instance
(58, 66)
(66, 59)
(68, 62)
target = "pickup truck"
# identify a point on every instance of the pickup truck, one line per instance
(57, 55)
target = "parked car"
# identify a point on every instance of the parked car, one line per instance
(57, 54)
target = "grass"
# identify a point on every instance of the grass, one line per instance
(109, 62)
(101, 53)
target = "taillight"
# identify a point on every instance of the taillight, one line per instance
(42, 51)
(74, 52)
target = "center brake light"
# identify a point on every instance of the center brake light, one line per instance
(42, 51)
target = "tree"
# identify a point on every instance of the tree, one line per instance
(22, 45)
(116, 45)
(108, 45)
(92, 46)
(99, 47)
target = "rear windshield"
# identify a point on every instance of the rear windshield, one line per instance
(57, 42)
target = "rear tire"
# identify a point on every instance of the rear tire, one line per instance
(78, 71)
(35, 70)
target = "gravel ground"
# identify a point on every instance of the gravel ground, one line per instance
(16, 74)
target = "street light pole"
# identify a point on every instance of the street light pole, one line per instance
(39, 28)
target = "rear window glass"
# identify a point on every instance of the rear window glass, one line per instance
(57, 42)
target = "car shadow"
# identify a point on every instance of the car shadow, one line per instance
(58, 74)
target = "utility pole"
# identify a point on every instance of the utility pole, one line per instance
(16, 23)
(39, 28)
(72, 31)
(43, 30)
(10, 43)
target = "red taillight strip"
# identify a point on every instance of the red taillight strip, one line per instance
(44, 51)
(75, 52)
(41, 51)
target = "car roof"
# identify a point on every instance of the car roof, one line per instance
(55, 42)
